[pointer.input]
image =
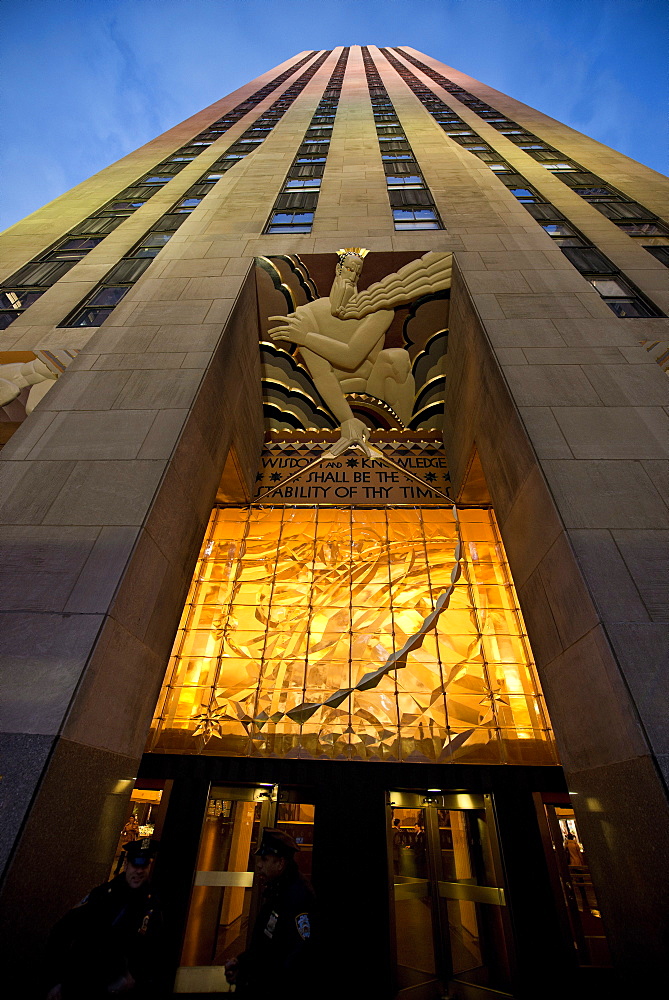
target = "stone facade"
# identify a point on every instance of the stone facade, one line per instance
(106, 489)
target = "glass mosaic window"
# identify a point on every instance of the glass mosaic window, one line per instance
(297, 605)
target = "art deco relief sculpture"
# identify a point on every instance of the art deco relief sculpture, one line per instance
(341, 337)
(38, 376)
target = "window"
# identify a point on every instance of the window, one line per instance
(559, 231)
(291, 222)
(416, 218)
(187, 204)
(643, 228)
(306, 184)
(589, 260)
(524, 194)
(620, 298)
(408, 180)
(152, 244)
(100, 305)
(660, 253)
(595, 193)
(43, 273)
(75, 248)
(560, 166)
(615, 210)
(13, 302)
(100, 225)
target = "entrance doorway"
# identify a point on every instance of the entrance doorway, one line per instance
(224, 897)
(572, 882)
(451, 924)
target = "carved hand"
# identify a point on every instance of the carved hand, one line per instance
(353, 432)
(292, 329)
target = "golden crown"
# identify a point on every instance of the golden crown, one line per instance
(357, 251)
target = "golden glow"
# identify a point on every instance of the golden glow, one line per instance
(290, 605)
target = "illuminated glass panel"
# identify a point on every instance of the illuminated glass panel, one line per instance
(289, 606)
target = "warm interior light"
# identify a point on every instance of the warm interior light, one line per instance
(290, 605)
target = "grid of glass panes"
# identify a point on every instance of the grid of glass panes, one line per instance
(410, 199)
(294, 209)
(290, 605)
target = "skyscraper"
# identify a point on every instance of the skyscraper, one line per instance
(342, 503)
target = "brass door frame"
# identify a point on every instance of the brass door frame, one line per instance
(438, 888)
(266, 796)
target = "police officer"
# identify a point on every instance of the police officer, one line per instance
(279, 960)
(107, 944)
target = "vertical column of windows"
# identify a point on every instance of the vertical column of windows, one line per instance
(117, 283)
(26, 285)
(620, 295)
(410, 198)
(629, 216)
(294, 209)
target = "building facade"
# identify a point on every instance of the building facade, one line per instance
(334, 494)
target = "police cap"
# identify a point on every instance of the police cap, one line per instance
(140, 852)
(277, 842)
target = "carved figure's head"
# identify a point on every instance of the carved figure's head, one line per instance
(347, 274)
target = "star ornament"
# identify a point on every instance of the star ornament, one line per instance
(210, 723)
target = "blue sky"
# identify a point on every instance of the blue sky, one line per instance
(86, 81)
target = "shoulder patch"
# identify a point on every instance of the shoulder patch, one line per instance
(303, 926)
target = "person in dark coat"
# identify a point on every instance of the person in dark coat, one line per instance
(107, 944)
(279, 959)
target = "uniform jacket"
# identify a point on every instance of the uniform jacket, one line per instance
(280, 955)
(113, 931)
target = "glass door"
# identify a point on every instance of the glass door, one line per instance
(451, 921)
(222, 900)
(225, 895)
(572, 882)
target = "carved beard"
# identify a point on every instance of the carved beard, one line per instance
(342, 291)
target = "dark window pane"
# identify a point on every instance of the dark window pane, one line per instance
(587, 261)
(122, 206)
(90, 317)
(156, 240)
(6, 318)
(622, 210)
(170, 222)
(108, 296)
(543, 213)
(80, 244)
(568, 241)
(100, 224)
(643, 228)
(17, 298)
(43, 273)
(628, 308)
(128, 270)
(661, 253)
(595, 192)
